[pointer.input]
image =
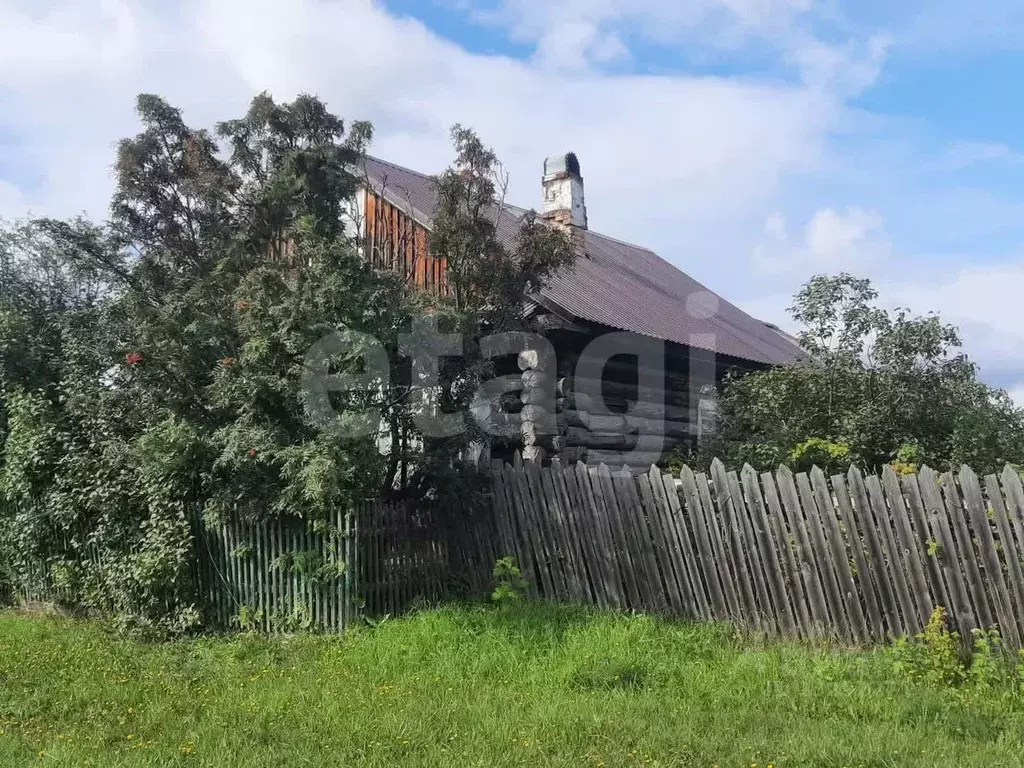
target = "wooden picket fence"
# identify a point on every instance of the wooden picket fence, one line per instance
(284, 574)
(858, 558)
(278, 574)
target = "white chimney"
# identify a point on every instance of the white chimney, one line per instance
(563, 191)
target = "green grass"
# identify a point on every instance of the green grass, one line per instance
(539, 686)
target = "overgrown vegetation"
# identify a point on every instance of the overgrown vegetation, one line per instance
(529, 685)
(509, 583)
(968, 667)
(878, 387)
(156, 366)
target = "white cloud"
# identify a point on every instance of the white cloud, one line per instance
(688, 165)
(558, 28)
(966, 154)
(41, 42)
(1016, 393)
(830, 242)
(672, 161)
(984, 301)
(12, 200)
(848, 69)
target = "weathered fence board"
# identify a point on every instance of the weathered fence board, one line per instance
(861, 558)
(715, 562)
(752, 555)
(965, 549)
(805, 555)
(793, 579)
(866, 579)
(994, 578)
(730, 529)
(945, 551)
(849, 593)
(1015, 575)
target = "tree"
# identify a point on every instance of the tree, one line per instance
(495, 258)
(153, 366)
(878, 386)
(157, 365)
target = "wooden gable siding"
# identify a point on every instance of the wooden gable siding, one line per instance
(395, 241)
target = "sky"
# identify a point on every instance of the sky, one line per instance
(753, 143)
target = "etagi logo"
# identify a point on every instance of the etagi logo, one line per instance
(562, 400)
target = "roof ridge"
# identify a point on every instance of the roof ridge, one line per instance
(399, 167)
(623, 242)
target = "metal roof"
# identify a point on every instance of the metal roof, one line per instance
(617, 284)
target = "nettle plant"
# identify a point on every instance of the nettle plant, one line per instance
(510, 585)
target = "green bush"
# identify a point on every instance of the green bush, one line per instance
(938, 658)
(816, 452)
(510, 586)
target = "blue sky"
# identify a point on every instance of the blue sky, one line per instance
(751, 142)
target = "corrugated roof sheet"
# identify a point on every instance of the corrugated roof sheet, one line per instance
(619, 285)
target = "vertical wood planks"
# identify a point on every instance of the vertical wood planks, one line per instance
(793, 579)
(994, 578)
(751, 550)
(908, 545)
(965, 550)
(844, 575)
(769, 556)
(824, 558)
(804, 555)
(604, 495)
(608, 563)
(699, 501)
(667, 549)
(731, 536)
(1011, 554)
(945, 552)
(911, 619)
(915, 501)
(865, 576)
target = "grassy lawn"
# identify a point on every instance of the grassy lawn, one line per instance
(541, 686)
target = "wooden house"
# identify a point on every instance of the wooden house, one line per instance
(653, 388)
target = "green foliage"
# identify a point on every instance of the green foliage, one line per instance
(885, 387)
(609, 674)
(488, 277)
(817, 452)
(249, 619)
(933, 656)
(937, 658)
(152, 367)
(510, 586)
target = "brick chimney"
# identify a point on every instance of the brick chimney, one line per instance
(563, 191)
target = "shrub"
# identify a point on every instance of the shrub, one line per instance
(815, 451)
(510, 586)
(936, 657)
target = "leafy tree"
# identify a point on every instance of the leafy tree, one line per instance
(495, 258)
(157, 365)
(877, 386)
(154, 366)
